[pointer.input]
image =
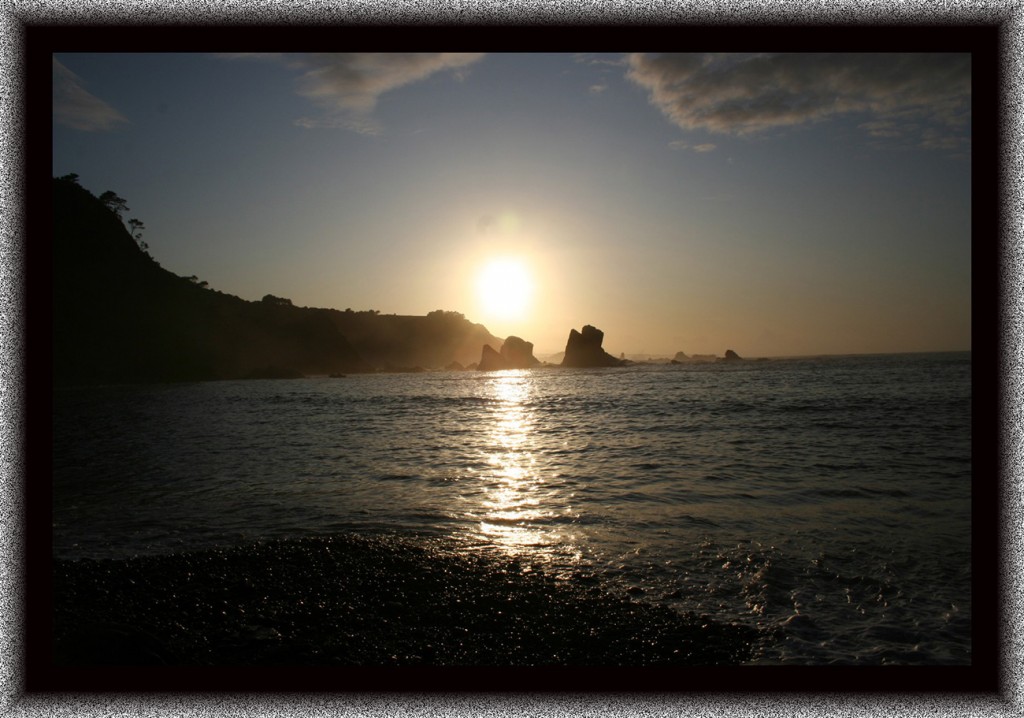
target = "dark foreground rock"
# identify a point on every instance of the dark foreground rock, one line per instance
(583, 350)
(351, 601)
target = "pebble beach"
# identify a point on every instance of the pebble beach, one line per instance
(356, 601)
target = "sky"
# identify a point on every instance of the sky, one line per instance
(775, 205)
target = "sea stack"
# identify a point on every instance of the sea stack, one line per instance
(515, 353)
(490, 360)
(730, 355)
(584, 350)
(519, 353)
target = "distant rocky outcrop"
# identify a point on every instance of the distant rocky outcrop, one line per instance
(583, 349)
(682, 358)
(515, 353)
(730, 355)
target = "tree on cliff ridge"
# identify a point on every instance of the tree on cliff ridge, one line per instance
(115, 204)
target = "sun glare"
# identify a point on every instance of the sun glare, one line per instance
(504, 287)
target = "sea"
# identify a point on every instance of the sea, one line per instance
(824, 500)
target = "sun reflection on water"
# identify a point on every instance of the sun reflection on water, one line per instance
(517, 505)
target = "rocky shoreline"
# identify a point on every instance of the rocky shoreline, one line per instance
(354, 601)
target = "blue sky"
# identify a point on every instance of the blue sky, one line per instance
(770, 204)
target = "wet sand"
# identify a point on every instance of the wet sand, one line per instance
(352, 601)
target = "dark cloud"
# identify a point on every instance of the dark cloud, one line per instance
(74, 107)
(921, 99)
(347, 85)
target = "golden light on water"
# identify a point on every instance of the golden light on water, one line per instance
(516, 501)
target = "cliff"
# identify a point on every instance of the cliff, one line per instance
(119, 317)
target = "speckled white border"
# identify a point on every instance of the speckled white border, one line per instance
(16, 13)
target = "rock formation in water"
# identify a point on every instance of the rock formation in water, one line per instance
(682, 358)
(491, 360)
(515, 353)
(583, 349)
(518, 353)
(730, 355)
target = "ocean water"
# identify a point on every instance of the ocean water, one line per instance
(825, 501)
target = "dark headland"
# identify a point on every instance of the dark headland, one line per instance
(119, 317)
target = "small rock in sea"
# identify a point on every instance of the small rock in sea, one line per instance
(635, 590)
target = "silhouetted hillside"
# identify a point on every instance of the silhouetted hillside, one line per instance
(120, 317)
(433, 341)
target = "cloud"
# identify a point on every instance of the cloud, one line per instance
(597, 89)
(347, 86)
(923, 100)
(589, 59)
(683, 145)
(78, 109)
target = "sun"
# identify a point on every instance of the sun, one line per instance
(504, 287)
